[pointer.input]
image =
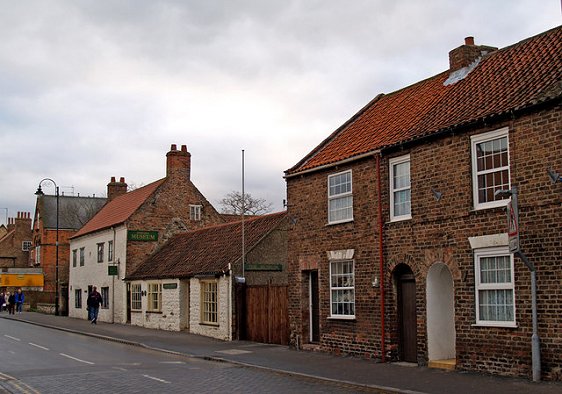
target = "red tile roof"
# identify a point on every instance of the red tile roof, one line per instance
(118, 210)
(206, 251)
(511, 79)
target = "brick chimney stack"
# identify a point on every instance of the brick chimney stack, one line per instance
(466, 54)
(115, 189)
(178, 162)
(22, 224)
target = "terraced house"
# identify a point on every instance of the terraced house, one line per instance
(400, 248)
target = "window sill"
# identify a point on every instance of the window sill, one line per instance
(209, 324)
(136, 311)
(339, 222)
(349, 318)
(156, 312)
(495, 325)
(400, 219)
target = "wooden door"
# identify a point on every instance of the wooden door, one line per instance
(407, 316)
(266, 317)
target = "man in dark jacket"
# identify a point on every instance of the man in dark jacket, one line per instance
(94, 301)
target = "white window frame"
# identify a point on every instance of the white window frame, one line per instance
(74, 257)
(26, 246)
(335, 197)
(82, 256)
(78, 298)
(38, 255)
(391, 163)
(109, 250)
(104, 291)
(208, 316)
(195, 212)
(478, 139)
(136, 296)
(502, 251)
(100, 253)
(154, 288)
(337, 288)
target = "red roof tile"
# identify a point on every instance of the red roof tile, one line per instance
(206, 251)
(118, 210)
(513, 78)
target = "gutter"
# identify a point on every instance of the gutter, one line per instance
(337, 163)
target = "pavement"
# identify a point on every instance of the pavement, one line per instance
(359, 374)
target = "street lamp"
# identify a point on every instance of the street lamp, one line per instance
(39, 192)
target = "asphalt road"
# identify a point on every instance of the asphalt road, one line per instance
(35, 359)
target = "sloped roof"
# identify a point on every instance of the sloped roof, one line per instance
(206, 251)
(119, 209)
(74, 211)
(510, 79)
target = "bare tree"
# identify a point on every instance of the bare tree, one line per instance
(232, 204)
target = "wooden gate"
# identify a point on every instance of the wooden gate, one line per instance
(266, 317)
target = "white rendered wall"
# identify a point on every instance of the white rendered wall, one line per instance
(222, 330)
(96, 274)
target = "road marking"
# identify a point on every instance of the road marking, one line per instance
(120, 369)
(14, 338)
(39, 346)
(5, 376)
(157, 379)
(23, 388)
(76, 359)
(171, 362)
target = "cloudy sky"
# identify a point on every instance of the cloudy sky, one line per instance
(94, 89)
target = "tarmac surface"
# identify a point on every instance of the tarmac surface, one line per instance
(356, 372)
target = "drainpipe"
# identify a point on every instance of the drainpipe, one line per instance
(381, 257)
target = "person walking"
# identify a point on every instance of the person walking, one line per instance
(19, 299)
(93, 302)
(2, 302)
(11, 303)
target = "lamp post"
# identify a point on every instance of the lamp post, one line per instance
(39, 192)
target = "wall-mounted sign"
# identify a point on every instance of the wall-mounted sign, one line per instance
(170, 285)
(21, 280)
(141, 235)
(112, 270)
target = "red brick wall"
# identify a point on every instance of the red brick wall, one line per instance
(438, 231)
(168, 213)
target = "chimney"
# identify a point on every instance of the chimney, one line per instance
(178, 163)
(466, 54)
(11, 224)
(115, 189)
(22, 225)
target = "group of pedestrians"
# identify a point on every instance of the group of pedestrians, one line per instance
(12, 302)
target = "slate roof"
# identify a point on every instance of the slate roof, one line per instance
(206, 251)
(74, 211)
(119, 209)
(508, 80)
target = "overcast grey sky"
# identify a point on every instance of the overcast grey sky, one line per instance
(94, 89)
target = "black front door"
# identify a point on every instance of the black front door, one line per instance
(314, 308)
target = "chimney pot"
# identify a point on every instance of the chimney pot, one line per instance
(174, 147)
(112, 179)
(122, 179)
(469, 40)
(184, 148)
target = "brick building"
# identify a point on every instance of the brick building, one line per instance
(190, 281)
(15, 242)
(128, 229)
(73, 213)
(400, 248)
